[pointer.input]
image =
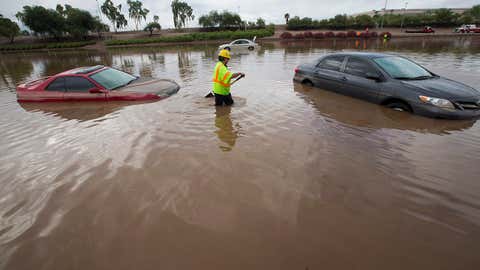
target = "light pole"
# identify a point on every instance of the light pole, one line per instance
(403, 18)
(384, 12)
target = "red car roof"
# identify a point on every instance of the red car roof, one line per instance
(83, 70)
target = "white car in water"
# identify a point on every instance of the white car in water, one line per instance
(240, 44)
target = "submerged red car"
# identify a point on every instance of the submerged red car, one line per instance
(96, 83)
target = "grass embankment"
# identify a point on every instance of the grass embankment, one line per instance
(59, 45)
(196, 37)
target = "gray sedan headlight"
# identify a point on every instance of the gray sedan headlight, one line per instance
(438, 102)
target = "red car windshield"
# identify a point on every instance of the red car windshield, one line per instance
(112, 78)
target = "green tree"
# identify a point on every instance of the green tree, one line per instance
(77, 22)
(223, 20)
(444, 17)
(42, 21)
(182, 13)
(340, 21)
(136, 12)
(209, 20)
(60, 9)
(475, 13)
(114, 14)
(287, 17)
(261, 23)
(152, 27)
(8, 28)
(466, 18)
(229, 20)
(363, 21)
(156, 18)
(99, 27)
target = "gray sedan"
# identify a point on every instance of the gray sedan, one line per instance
(393, 81)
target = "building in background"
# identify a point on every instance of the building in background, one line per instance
(401, 11)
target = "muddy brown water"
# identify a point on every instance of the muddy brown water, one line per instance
(290, 177)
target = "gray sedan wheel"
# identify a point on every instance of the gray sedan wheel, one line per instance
(399, 106)
(307, 83)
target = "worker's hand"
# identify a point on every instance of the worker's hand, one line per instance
(239, 74)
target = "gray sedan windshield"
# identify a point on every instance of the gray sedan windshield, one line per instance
(111, 78)
(401, 68)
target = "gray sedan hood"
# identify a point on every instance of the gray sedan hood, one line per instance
(443, 88)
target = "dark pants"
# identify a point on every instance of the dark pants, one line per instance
(221, 99)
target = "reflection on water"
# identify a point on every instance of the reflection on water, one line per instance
(226, 131)
(355, 112)
(304, 178)
(81, 111)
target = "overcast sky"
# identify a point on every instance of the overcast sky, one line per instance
(271, 10)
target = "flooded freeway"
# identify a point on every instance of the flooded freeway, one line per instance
(290, 177)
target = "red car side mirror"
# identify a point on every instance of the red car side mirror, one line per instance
(95, 91)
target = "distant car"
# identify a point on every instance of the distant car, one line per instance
(239, 44)
(96, 83)
(392, 81)
(467, 28)
(426, 29)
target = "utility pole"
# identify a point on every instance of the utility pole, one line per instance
(384, 12)
(403, 18)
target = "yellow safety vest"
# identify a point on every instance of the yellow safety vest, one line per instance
(221, 79)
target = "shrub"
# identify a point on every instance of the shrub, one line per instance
(318, 35)
(69, 44)
(365, 35)
(308, 34)
(299, 36)
(388, 34)
(60, 45)
(351, 34)
(340, 35)
(196, 36)
(329, 35)
(22, 47)
(286, 35)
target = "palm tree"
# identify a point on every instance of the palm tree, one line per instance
(287, 16)
(137, 12)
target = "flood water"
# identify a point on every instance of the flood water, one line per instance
(290, 177)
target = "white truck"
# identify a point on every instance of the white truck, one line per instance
(467, 28)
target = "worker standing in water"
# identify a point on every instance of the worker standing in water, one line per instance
(221, 80)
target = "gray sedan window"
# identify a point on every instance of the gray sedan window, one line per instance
(359, 67)
(332, 63)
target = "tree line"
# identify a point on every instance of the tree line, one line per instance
(439, 17)
(228, 21)
(77, 23)
(68, 21)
